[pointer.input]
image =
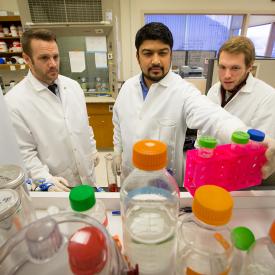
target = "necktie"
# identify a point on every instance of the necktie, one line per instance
(53, 88)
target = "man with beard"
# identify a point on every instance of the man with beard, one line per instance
(48, 112)
(157, 95)
(238, 92)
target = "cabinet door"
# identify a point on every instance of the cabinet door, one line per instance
(100, 118)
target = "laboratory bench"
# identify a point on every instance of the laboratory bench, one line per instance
(254, 208)
(100, 113)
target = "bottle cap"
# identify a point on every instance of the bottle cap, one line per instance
(240, 137)
(150, 155)
(256, 135)
(272, 232)
(207, 142)
(212, 204)
(87, 250)
(43, 239)
(82, 198)
(242, 237)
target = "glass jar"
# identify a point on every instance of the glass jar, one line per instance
(13, 177)
(150, 207)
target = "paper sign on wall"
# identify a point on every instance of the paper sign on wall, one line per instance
(77, 61)
(96, 44)
(101, 60)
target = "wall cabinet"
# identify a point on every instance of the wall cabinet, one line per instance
(100, 118)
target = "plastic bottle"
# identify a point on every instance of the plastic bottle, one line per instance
(207, 146)
(260, 258)
(242, 239)
(149, 208)
(82, 199)
(64, 243)
(256, 137)
(204, 243)
(238, 139)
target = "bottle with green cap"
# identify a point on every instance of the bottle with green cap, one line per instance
(242, 238)
(207, 145)
(260, 258)
(82, 199)
(239, 140)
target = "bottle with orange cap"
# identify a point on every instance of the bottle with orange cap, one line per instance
(204, 241)
(149, 208)
(260, 258)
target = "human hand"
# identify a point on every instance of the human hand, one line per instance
(116, 164)
(95, 159)
(60, 184)
(269, 167)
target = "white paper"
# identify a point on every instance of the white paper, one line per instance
(12, 68)
(101, 60)
(96, 44)
(77, 61)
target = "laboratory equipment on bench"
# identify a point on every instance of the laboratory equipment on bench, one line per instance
(64, 243)
(111, 175)
(232, 166)
(82, 199)
(149, 208)
(204, 241)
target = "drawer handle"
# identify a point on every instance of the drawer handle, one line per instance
(111, 108)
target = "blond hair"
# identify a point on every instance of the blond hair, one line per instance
(237, 45)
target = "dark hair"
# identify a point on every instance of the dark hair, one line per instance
(154, 31)
(40, 34)
(237, 45)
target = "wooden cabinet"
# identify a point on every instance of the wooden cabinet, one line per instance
(100, 118)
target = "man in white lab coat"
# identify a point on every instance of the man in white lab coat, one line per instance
(238, 92)
(48, 112)
(159, 94)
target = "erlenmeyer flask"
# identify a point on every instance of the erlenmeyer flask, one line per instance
(111, 176)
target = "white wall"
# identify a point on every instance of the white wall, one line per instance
(132, 18)
(9, 5)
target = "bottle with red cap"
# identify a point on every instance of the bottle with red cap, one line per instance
(149, 208)
(63, 243)
(260, 258)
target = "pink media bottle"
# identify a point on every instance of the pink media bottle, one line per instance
(231, 166)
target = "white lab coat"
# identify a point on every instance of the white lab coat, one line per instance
(254, 104)
(53, 132)
(171, 98)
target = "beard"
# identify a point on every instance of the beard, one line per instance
(152, 77)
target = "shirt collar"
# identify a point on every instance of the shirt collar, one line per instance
(37, 84)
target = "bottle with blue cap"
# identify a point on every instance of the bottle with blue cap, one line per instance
(149, 207)
(256, 137)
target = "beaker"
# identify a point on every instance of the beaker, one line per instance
(167, 134)
(111, 176)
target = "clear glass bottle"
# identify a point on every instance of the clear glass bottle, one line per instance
(204, 242)
(242, 239)
(149, 208)
(207, 146)
(64, 243)
(260, 258)
(82, 199)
